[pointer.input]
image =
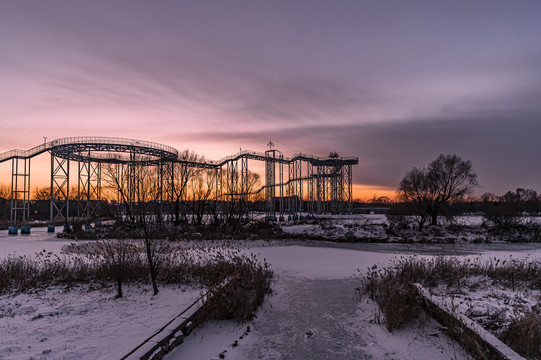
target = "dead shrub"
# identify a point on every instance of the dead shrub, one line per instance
(243, 290)
(524, 335)
(395, 297)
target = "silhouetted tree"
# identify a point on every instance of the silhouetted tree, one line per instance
(5, 191)
(138, 191)
(382, 200)
(183, 173)
(447, 179)
(506, 212)
(42, 193)
(240, 197)
(202, 186)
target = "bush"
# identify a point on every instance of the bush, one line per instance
(244, 290)
(19, 273)
(524, 335)
(502, 217)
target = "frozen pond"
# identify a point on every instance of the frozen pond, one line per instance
(38, 239)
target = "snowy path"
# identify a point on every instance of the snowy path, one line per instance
(315, 313)
(309, 319)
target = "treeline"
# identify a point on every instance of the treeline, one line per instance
(443, 189)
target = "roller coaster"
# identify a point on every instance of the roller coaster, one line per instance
(296, 184)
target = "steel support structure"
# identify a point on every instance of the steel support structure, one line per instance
(270, 181)
(219, 189)
(232, 179)
(314, 184)
(281, 186)
(244, 174)
(273, 159)
(20, 191)
(347, 186)
(291, 187)
(160, 191)
(311, 189)
(335, 188)
(88, 190)
(298, 185)
(294, 190)
(60, 181)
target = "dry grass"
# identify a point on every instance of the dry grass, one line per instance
(524, 335)
(99, 262)
(397, 300)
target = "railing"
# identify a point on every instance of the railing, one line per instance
(114, 141)
(155, 146)
(258, 154)
(85, 140)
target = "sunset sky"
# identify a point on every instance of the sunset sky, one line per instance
(394, 83)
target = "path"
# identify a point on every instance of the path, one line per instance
(311, 316)
(309, 319)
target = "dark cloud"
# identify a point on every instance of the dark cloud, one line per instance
(504, 151)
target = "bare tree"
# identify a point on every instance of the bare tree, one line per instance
(5, 196)
(508, 211)
(202, 186)
(183, 172)
(240, 197)
(446, 180)
(115, 254)
(137, 189)
(42, 193)
(5, 191)
(414, 193)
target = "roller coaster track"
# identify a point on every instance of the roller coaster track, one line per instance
(78, 148)
(87, 148)
(328, 180)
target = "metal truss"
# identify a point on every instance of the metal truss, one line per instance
(314, 184)
(273, 159)
(60, 171)
(20, 191)
(232, 180)
(219, 183)
(311, 189)
(88, 190)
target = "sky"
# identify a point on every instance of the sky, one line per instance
(395, 83)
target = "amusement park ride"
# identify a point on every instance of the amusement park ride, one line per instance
(300, 183)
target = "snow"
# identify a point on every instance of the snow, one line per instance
(38, 240)
(85, 323)
(449, 306)
(315, 311)
(319, 263)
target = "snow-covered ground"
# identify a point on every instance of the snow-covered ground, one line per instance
(315, 311)
(376, 228)
(85, 323)
(81, 322)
